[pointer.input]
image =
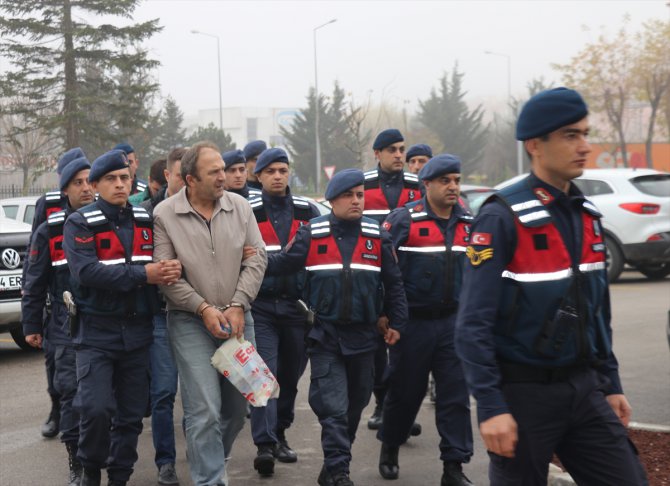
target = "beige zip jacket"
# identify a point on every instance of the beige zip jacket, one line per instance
(211, 257)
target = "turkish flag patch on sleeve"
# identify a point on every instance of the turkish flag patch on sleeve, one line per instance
(481, 238)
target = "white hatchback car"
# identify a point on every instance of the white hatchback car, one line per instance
(635, 204)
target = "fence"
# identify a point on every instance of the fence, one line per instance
(15, 190)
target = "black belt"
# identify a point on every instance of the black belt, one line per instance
(430, 313)
(519, 373)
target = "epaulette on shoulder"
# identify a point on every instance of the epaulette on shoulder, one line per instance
(371, 175)
(139, 213)
(591, 208)
(55, 219)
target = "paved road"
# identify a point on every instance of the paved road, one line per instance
(640, 315)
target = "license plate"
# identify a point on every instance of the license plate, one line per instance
(10, 282)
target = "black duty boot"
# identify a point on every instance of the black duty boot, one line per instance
(325, 479)
(264, 462)
(453, 475)
(50, 427)
(388, 461)
(283, 452)
(116, 482)
(342, 479)
(415, 430)
(375, 420)
(74, 464)
(90, 477)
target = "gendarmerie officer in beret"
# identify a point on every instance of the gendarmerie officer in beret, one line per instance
(236, 174)
(430, 237)
(279, 325)
(417, 156)
(109, 247)
(387, 187)
(352, 273)
(49, 274)
(47, 204)
(139, 185)
(533, 328)
(251, 152)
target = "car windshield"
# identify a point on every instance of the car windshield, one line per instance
(654, 185)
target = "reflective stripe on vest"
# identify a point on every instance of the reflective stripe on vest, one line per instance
(55, 222)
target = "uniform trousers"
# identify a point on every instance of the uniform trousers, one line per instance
(112, 397)
(280, 340)
(573, 419)
(428, 346)
(65, 383)
(339, 390)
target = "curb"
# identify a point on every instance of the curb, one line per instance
(559, 478)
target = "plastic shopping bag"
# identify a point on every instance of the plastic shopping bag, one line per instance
(238, 360)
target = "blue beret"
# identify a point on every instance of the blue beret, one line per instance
(386, 138)
(254, 149)
(343, 181)
(71, 170)
(108, 162)
(419, 149)
(269, 156)
(233, 157)
(125, 146)
(68, 157)
(548, 111)
(439, 165)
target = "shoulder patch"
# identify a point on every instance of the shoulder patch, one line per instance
(478, 257)
(481, 238)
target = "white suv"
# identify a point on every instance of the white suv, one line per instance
(635, 204)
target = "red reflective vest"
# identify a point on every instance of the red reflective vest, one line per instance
(376, 205)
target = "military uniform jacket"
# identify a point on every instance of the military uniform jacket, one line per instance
(532, 249)
(430, 254)
(384, 192)
(328, 246)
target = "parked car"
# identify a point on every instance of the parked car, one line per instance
(635, 204)
(14, 238)
(19, 208)
(474, 196)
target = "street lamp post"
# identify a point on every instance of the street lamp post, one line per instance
(519, 145)
(218, 57)
(316, 118)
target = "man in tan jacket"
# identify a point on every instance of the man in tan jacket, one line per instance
(207, 229)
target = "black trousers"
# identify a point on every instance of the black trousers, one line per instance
(573, 419)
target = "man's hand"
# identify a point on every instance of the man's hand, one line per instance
(165, 272)
(248, 252)
(500, 434)
(35, 340)
(391, 336)
(621, 407)
(235, 318)
(383, 325)
(213, 318)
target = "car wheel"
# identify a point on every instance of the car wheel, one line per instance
(614, 259)
(655, 272)
(20, 339)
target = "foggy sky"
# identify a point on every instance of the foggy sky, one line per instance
(392, 51)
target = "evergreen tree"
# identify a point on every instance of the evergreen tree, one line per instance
(338, 136)
(72, 78)
(214, 134)
(170, 133)
(460, 130)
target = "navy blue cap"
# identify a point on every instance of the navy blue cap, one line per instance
(67, 157)
(386, 138)
(71, 170)
(343, 181)
(125, 146)
(270, 156)
(548, 111)
(419, 149)
(108, 162)
(233, 157)
(254, 148)
(439, 165)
